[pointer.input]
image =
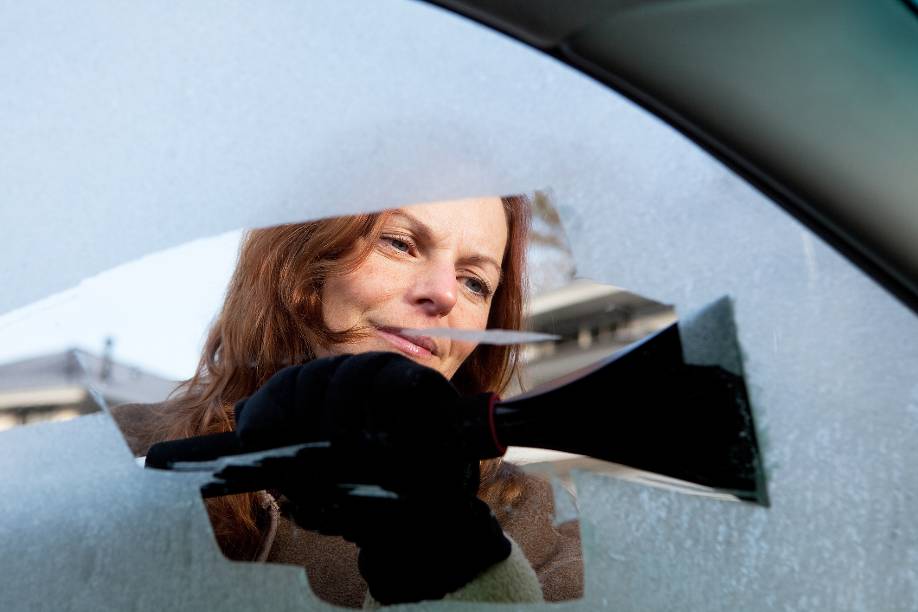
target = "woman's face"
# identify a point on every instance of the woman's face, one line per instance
(435, 265)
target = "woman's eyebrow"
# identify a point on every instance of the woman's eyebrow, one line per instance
(484, 259)
(423, 232)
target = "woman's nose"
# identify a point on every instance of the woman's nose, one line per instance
(435, 290)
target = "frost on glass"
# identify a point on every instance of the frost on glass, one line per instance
(79, 514)
(134, 129)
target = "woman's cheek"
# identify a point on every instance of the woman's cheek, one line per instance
(377, 282)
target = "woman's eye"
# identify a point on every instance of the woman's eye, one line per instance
(398, 244)
(477, 286)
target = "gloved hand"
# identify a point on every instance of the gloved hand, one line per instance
(398, 425)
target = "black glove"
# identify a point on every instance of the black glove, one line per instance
(403, 427)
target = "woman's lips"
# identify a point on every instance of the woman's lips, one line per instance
(415, 347)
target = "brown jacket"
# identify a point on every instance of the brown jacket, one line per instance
(331, 562)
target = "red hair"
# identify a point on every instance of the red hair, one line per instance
(272, 317)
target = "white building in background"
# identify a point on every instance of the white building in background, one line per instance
(61, 386)
(594, 320)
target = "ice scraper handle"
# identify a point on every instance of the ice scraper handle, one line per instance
(380, 397)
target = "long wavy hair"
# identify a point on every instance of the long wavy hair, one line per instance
(272, 318)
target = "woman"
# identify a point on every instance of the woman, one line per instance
(349, 285)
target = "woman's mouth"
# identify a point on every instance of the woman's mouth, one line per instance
(421, 346)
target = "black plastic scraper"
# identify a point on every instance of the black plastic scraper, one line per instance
(674, 404)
